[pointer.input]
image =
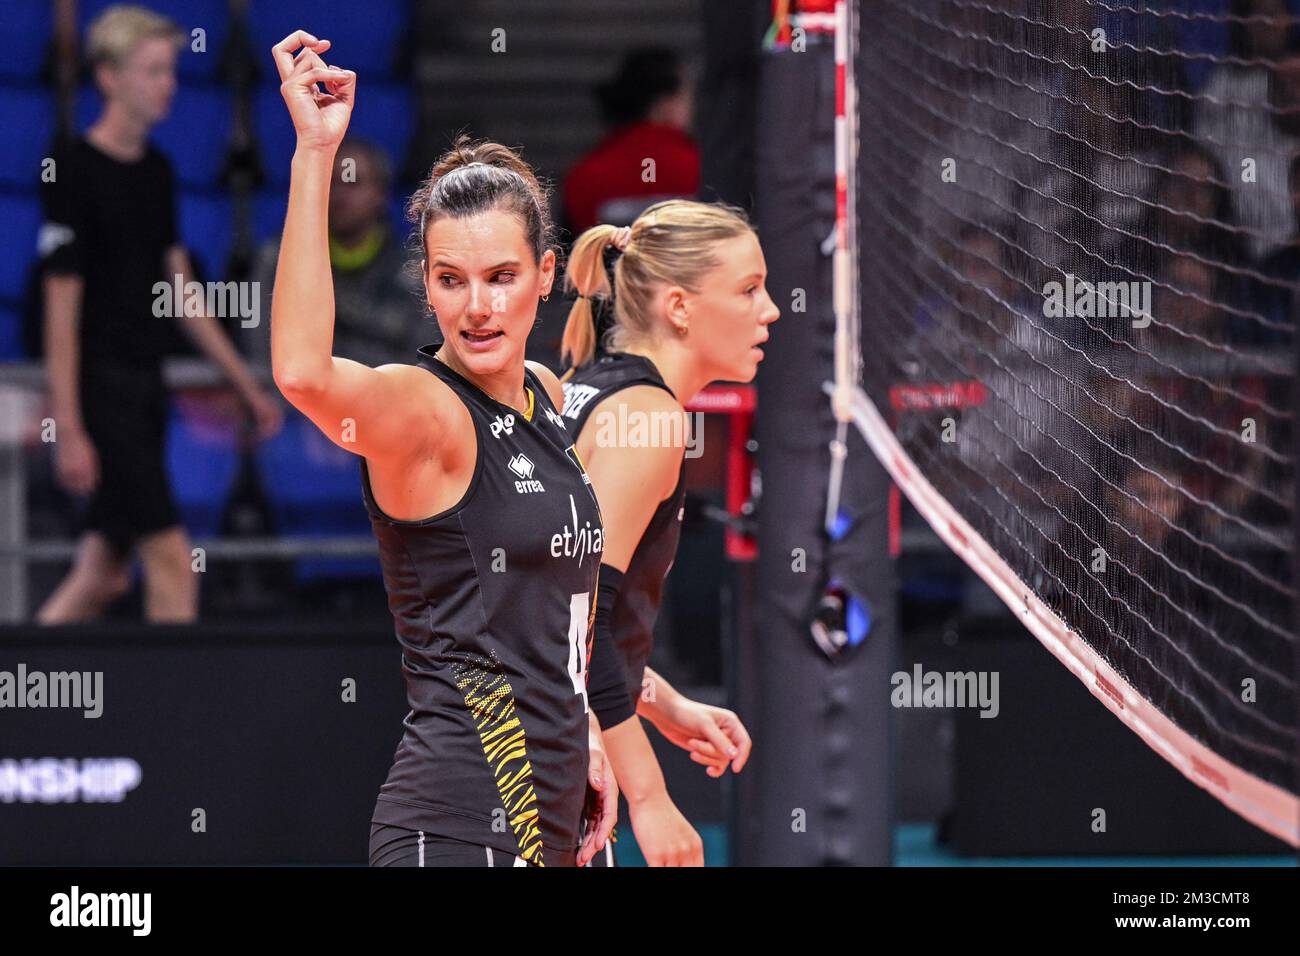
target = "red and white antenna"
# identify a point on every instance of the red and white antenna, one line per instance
(848, 355)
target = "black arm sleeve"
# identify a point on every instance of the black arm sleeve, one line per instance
(607, 689)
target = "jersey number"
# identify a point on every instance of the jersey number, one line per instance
(579, 606)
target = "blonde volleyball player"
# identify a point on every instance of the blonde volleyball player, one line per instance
(690, 307)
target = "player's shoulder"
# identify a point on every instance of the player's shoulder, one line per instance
(71, 157)
(640, 410)
(549, 381)
(414, 380)
(608, 370)
(154, 155)
(639, 432)
(645, 397)
(432, 415)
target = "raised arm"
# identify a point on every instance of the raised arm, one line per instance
(379, 413)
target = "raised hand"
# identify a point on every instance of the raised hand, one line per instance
(320, 118)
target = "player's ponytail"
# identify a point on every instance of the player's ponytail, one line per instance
(586, 276)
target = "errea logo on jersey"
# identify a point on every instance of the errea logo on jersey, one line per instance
(523, 467)
(500, 425)
(558, 419)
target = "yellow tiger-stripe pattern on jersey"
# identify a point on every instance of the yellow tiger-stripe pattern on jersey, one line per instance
(491, 703)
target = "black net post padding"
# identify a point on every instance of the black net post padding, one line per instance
(819, 789)
(725, 102)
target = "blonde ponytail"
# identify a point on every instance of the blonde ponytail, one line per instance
(586, 276)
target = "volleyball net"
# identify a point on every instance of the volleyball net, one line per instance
(1077, 272)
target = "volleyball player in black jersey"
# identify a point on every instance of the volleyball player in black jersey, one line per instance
(689, 307)
(489, 534)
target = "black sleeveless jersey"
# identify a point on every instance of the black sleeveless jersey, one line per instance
(494, 602)
(634, 614)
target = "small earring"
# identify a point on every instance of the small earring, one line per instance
(546, 297)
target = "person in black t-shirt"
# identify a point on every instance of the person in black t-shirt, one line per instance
(108, 237)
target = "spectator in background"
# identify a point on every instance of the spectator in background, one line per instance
(379, 316)
(1195, 210)
(1270, 295)
(1149, 506)
(1236, 121)
(109, 235)
(649, 107)
(1196, 249)
(1187, 302)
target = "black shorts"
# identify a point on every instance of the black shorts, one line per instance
(125, 410)
(398, 846)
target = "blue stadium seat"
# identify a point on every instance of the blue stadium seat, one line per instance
(365, 35)
(21, 216)
(195, 134)
(11, 334)
(26, 136)
(1201, 35)
(274, 132)
(268, 214)
(207, 228)
(270, 204)
(212, 16)
(385, 115)
(202, 463)
(397, 212)
(313, 487)
(28, 28)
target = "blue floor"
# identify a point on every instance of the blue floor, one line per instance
(914, 845)
(713, 835)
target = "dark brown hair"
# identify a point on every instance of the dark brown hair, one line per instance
(475, 177)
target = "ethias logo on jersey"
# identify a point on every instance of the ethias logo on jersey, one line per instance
(578, 541)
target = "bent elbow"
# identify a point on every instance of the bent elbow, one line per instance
(295, 380)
